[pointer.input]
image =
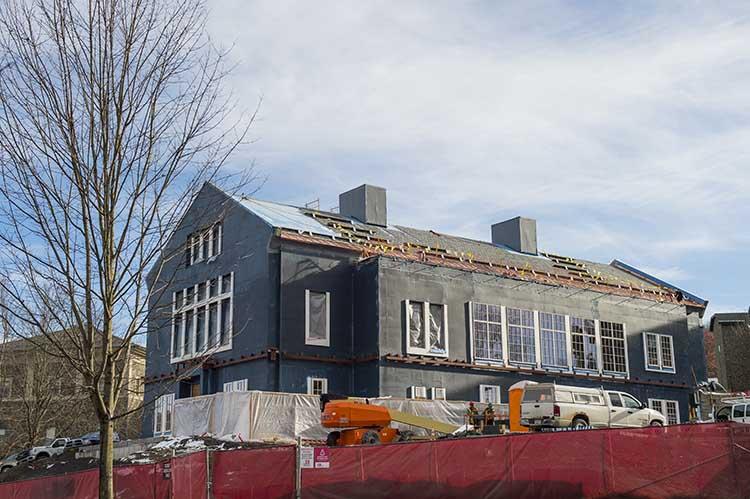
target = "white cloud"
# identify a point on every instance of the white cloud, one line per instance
(624, 129)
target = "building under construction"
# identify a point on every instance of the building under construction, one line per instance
(254, 295)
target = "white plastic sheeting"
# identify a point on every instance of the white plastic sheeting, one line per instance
(284, 216)
(257, 415)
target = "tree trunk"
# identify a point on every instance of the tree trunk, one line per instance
(106, 454)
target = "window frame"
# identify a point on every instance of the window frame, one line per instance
(239, 385)
(660, 354)
(199, 246)
(535, 329)
(624, 339)
(550, 365)
(438, 393)
(412, 392)
(472, 332)
(495, 388)
(585, 336)
(663, 403)
(180, 311)
(163, 405)
(425, 325)
(318, 342)
(311, 380)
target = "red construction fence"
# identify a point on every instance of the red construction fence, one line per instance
(707, 461)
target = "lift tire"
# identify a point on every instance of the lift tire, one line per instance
(579, 423)
(656, 424)
(370, 438)
(333, 438)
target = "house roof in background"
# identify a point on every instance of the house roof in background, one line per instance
(310, 226)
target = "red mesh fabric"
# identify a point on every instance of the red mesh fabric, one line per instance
(254, 473)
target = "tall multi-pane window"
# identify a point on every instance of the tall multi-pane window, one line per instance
(613, 347)
(659, 352)
(553, 340)
(202, 317)
(583, 344)
(669, 408)
(521, 347)
(203, 244)
(488, 332)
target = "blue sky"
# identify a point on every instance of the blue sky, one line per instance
(622, 127)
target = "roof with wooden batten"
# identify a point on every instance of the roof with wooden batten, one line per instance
(327, 229)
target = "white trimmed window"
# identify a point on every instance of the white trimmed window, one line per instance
(426, 328)
(521, 336)
(417, 392)
(489, 394)
(658, 350)
(583, 344)
(317, 386)
(669, 408)
(553, 340)
(204, 245)
(317, 318)
(487, 332)
(202, 318)
(236, 386)
(614, 349)
(437, 393)
(163, 407)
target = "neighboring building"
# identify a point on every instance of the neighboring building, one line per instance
(260, 295)
(732, 344)
(42, 397)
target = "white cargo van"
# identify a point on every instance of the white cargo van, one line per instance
(547, 405)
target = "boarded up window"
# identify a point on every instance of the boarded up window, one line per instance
(416, 327)
(317, 311)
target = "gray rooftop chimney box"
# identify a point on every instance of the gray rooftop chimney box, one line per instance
(366, 203)
(517, 233)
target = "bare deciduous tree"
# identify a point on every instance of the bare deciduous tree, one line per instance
(111, 116)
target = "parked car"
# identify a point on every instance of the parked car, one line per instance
(738, 412)
(547, 405)
(8, 463)
(52, 447)
(93, 438)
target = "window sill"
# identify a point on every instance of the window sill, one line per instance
(211, 351)
(490, 362)
(427, 354)
(662, 371)
(318, 343)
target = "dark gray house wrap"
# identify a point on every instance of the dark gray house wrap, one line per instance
(258, 295)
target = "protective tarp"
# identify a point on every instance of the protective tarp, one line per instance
(192, 416)
(707, 461)
(254, 474)
(190, 476)
(262, 416)
(231, 414)
(284, 416)
(281, 215)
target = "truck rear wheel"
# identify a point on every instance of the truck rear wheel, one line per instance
(579, 423)
(333, 438)
(370, 438)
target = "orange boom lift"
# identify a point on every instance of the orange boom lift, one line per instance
(364, 423)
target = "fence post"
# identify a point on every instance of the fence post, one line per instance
(208, 474)
(298, 470)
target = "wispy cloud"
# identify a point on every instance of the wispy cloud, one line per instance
(623, 127)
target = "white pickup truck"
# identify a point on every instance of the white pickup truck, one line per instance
(50, 448)
(547, 406)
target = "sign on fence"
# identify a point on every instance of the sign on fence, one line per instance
(306, 456)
